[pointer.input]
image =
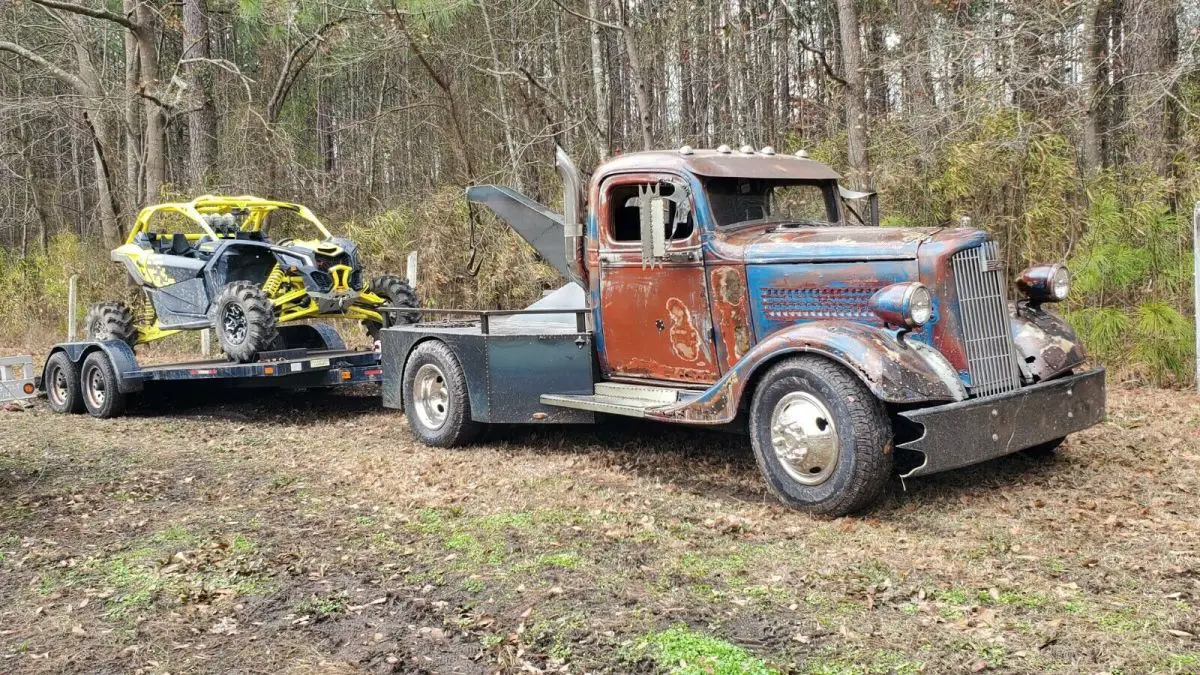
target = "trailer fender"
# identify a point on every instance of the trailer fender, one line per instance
(896, 370)
(118, 352)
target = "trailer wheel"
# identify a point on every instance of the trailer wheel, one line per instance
(100, 387)
(823, 442)
(61, 381)
(435, 397)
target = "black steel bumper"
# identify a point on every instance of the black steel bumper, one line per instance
(976, 430)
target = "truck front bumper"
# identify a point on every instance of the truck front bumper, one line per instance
(976, 430)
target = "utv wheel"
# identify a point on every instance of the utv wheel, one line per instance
(110, 321)
(100, 387)
(244, 321)
(396, 293)
(435, 397)
(60, 379)
(823, 442)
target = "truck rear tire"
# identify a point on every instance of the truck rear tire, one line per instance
(244, 321)
(435, 397)
(822, 440)
(60, 379)
(100, 387)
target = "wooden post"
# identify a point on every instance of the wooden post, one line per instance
(206, 342)
(411, 272)
(1196, 284)
(72, 300)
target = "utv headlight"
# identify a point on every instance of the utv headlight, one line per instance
(907, 304)
(1045, 283)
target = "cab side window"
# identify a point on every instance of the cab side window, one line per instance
(625, 218)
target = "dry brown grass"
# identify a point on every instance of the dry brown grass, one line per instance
(312, 534)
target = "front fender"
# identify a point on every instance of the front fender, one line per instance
(1048, 344)
(895, 370)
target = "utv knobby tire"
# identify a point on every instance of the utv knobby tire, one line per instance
(100, 387)
(457, 428)
(110, 321)
(865, 458)
(244, 321)
(396, 292)
(60, 380)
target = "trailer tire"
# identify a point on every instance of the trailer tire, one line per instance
(822, 440)
(60, 379)
(244, 321)
(110, 321)
(100, 387)
(435, 397)
(397, 293)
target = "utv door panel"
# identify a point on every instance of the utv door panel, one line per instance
(181, 303)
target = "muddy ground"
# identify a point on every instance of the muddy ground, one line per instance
(309, 533)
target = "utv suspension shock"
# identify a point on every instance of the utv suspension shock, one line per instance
(274, 279)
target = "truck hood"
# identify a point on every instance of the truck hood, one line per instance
(820, 244)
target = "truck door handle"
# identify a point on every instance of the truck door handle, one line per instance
(681, 256)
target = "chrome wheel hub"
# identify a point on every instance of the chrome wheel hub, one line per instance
(804, 438)
(431, 397)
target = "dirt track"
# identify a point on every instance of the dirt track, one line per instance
(313, 534)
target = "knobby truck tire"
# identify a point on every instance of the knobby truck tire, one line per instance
(865, 453)
(458, 428)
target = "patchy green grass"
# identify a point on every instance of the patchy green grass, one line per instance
(682, 651)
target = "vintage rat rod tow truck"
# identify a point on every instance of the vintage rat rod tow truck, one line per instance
(723, 287)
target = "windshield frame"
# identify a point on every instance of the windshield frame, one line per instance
(828, 188)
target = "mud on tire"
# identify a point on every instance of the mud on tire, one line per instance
(244, 321)
(397, 293)
(110, 321)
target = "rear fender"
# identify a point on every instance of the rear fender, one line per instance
(895, 370)
(120, 354)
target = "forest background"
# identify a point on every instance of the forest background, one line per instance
(1069, 129)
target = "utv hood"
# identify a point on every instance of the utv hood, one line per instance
(843, 244)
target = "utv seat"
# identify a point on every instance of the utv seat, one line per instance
(180, 245)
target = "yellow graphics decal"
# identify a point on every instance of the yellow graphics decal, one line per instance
(148, 265)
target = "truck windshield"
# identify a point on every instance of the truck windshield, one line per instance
(740, 201)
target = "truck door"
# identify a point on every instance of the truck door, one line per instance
(654, 309)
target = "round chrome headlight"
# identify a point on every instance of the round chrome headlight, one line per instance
(920, 306)
(1060, 283)
(908, 304)
(1045, 283)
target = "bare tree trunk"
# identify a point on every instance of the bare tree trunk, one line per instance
(637, 77)
(599, 88)
(202, 120)
(1151, 51)
(856, 114)
(502, 99)
(1094, 39)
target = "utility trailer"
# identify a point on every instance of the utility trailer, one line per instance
(734, 289)
(100, 377)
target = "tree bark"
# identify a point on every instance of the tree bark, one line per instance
(202, 119)
(1152, 48)
(857, 133)
(599, 85)
(1095, 37)
(637, 78)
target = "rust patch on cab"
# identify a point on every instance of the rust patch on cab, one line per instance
(731, 314)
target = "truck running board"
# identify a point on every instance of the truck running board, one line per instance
(615, 398)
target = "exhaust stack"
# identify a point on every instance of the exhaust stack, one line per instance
(572, 227)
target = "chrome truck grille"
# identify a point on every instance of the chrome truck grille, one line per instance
(983, 311)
